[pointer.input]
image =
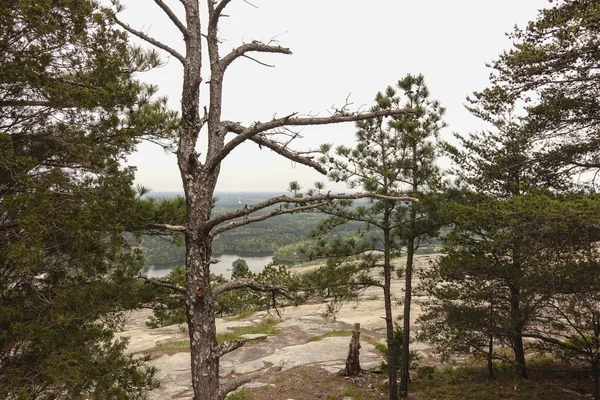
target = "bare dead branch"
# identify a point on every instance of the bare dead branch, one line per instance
(289, 154)
(228, 216)
(163, 283)
(258, 218)
(252, 133)
(258, 61)
(250, 4)
(235, 383)
(218, 11)
(228, 347)
(150, 40)
(175, 228)
(254, 46)
(182, 28)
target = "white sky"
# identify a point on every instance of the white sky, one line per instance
(340, 47)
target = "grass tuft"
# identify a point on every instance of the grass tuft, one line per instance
(335, 332)
(267, 327)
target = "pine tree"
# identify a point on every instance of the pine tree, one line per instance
(554, 63)
(500, 240)
(69, 113)
(394, 156)
(200, 174)
(419, 133)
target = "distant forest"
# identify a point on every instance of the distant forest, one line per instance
(279, 236)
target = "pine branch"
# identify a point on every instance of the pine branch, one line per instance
(258, 218)
(182, 28)
(291, 155)
(174, 228)
(25, 103)
(250, 284)
(252, 132)
(264, 64)
(163, 283)
(560, 343)
(254, 46)
(219, 219)
(150, 40)
(218, 10)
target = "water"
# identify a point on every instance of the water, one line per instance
(256, 264)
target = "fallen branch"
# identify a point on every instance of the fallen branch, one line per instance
(235, 383)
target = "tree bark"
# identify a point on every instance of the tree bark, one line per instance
(201, 325)
(389, 322)
(517, 334)
(490, 355)
(410, 254)
(595, 372)
(405, 360)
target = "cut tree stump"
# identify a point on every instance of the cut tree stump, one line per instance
(352, 361)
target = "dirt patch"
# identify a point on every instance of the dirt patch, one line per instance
(311, 382)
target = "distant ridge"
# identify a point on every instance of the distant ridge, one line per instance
(258, 194)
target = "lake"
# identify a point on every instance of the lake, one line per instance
(256, 264)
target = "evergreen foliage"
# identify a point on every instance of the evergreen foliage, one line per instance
(393, 156)
(553, 65)
(522, 244)
(169, 311)
(69, 113)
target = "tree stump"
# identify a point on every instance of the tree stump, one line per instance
(352, 361)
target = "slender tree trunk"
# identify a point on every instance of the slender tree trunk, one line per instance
(389, 322)
(517, 337)
(410, 255)
(405, 360)
(596, 373)
(490, 355)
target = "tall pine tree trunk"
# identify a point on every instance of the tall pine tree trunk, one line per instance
(405, 360)
(490, 354)
(389, 322)
(517, 337)
(410, 254)
(596, 373)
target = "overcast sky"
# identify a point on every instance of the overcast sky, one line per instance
(340, 47)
